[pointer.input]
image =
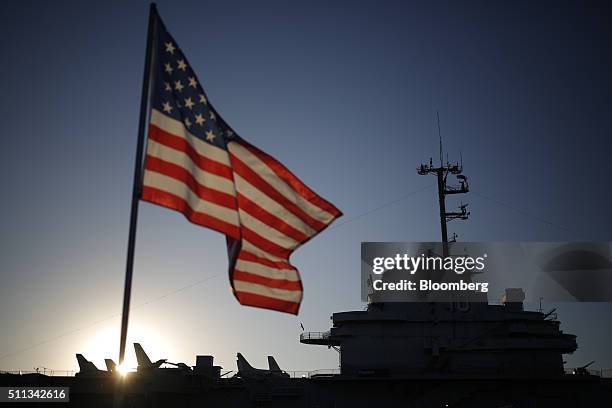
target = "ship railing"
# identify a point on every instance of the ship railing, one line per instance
(603, 372)
(310, 374)
(48, 372)
(229, 374)
(315, 335)
(299, 374)
(324, 372)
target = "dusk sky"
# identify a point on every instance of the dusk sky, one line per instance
(345, 94)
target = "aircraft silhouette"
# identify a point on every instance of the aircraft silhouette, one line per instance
(144, 362)
(87, 368)
(245, 370)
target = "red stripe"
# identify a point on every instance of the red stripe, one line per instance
(288, 177)
(249, 257)
(182, 145)
(265, 244)
(255, 179)
(181, 174)
(251, 299)
(173, 202)
(270, 219)
(264, 281)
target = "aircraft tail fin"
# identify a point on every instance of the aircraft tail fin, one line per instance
(273, 365)
(243, 364)
(110, 365)
(84, 364)
(141, 356)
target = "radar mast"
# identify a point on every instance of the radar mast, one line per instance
(441, 172)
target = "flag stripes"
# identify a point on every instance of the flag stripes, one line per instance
(174, 202)
(195, 164)
(237, 192)
(273, 220)
(256, 181)
(252, 194)
(271, 272)
(203, 190)
(279, 177)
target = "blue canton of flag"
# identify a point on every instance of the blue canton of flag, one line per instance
(178, 94)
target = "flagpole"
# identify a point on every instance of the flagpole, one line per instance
(137, 188)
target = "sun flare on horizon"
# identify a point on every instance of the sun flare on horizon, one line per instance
(123, 369)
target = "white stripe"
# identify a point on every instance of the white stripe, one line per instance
(276, 293)
(278, 184)
(180, 189)
(266, 231)
(252, 193)
(181, 159)
(249, 247)
(177, 128)
(266, 271)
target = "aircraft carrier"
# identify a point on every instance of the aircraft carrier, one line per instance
(419, 354)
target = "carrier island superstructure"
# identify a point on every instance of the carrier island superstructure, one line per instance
(448, 339)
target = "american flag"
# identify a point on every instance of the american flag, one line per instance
(197, 165)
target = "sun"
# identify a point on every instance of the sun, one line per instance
(123, 369)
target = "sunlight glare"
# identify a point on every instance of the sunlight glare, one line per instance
(123, 369)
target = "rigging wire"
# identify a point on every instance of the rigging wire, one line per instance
(524, 213)
(380, 207)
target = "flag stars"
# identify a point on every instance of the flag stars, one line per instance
(178, 86)
(199, 119)
(170, 47)
(213, 116)
(167, 107)
(210, 136)
(188, 123)
(168, 68)
(182, 65)
(203, 99)
(193, 82)
(189, 103)
(167, 87)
